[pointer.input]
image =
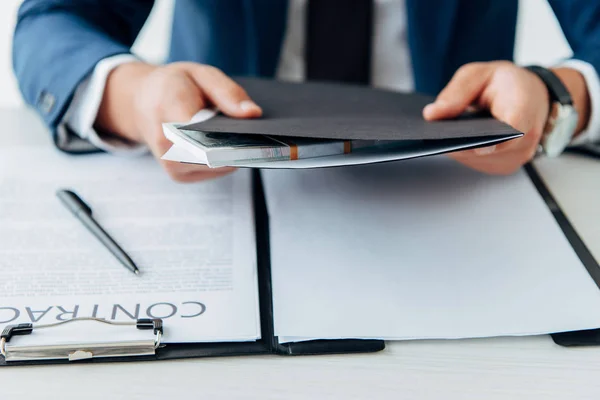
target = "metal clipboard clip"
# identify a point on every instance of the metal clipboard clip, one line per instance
(75, 352)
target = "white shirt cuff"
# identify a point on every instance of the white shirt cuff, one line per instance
(83, 110)
(592, 132)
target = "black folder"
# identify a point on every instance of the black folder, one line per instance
(325, 110)
(348, 112)
(268, 344)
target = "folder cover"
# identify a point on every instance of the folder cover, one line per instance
(347, 112)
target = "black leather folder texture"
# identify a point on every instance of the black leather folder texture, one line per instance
(348, 112)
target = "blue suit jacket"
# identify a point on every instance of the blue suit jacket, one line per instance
(58, 42)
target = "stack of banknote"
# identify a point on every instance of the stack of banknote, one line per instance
(231, 149)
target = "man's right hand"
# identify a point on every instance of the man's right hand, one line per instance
(139, 97)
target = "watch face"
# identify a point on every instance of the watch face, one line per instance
(565, 124)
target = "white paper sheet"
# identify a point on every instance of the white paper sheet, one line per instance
(420, 249)
(194, 244)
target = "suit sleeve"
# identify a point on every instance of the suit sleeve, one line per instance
(580, 22)
(57, 43)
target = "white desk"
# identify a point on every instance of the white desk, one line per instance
(530, 367)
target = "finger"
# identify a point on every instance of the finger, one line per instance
(182, 100)
(479, 152)
(224, 93)
(496, 149)
(182, 172)
(185, 111)
(181, 168)
(205, 175)
(492, 165)
(464, 88)
(506, 161)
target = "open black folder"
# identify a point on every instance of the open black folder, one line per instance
(318, 110)
(269, 344)
(336, 111)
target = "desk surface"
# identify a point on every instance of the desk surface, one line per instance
(529, 367)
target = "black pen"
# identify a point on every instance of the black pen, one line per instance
(83, 213)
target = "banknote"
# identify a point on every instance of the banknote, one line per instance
(220, 149)
(211, 140)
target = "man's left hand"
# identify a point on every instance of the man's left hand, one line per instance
(513, 95)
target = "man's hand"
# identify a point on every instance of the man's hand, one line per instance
(139, 97)
(513, 95)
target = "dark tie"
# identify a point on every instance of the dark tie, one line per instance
(338, 40)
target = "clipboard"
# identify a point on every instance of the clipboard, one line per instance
(152, 349)
(127, 351)
(76, 352)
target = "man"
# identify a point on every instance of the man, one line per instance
(72, 59)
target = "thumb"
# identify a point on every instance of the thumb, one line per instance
(464, 89)
(224, 92)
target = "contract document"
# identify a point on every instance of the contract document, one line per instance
(312, 261)
(194, 244)
(420, 250)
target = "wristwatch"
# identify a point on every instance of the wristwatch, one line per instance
(562, 119)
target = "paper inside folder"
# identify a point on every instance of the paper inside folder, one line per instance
(179, 154)
(412, 149)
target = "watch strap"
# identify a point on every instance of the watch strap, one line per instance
(558, 91)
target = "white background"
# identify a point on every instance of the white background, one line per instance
(539, 39)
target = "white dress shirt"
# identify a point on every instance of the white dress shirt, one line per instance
(391, 69)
